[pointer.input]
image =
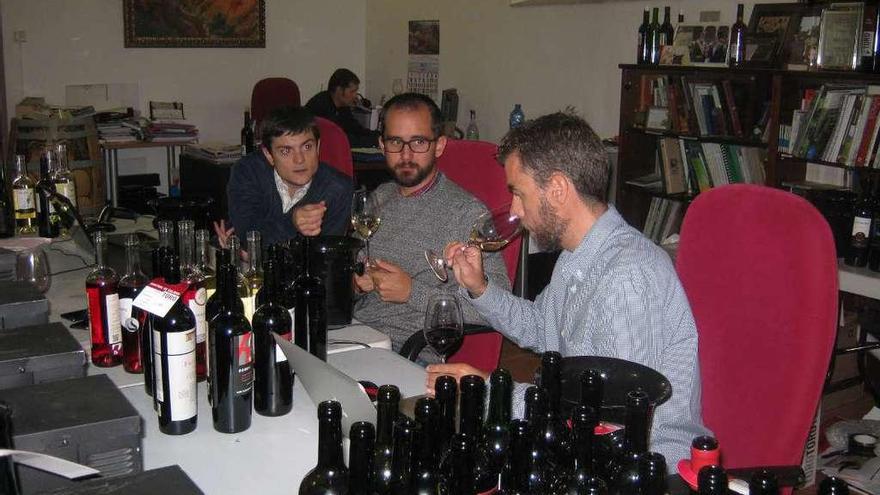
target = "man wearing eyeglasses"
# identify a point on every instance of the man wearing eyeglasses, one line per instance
(282, 190)
(421, 209)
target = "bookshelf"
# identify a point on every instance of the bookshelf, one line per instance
(765, 102)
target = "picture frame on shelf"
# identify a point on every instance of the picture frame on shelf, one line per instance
(776, 20)
(802, 43)
(839, 36)
(761, 50)
(698, 44)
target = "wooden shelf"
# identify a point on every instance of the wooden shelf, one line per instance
(785, 157)
(703, 139)
(836, 75)
(659, 193)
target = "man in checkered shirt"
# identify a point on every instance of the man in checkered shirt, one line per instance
(613, 292)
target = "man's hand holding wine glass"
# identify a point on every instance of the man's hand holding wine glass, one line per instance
(466, 261)
(390, 281)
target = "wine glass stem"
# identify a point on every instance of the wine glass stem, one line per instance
(367, 247)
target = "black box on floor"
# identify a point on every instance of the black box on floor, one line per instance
(39, 353)
(84, 420)
(171, 480)
(21, 304)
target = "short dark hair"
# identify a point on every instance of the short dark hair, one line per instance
(414, 101)
(561, 142)
(288, 120)
(341, 78)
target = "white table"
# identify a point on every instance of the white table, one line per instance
(273, 455)
(860, 281)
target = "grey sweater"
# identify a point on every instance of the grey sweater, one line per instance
(410, 225)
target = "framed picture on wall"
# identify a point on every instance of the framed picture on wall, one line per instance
(202, 24)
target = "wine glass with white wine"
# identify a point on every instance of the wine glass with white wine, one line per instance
(491, 232)
(365, 218)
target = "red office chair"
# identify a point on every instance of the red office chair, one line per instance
(760, 271)
(271, 93)
(473, 166)
(335, 149)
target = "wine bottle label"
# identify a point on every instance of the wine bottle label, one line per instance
(114, 327)
(861, 231)
(196, 300)
(180, 356)
(280, 357)
(157, 299)
(249, 304)
(244, 378)
(23, 199)
(126, 315)
(68, 190)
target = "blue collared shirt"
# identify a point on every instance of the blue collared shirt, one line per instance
(616, 295)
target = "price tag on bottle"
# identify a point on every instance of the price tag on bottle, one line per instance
(156, 299)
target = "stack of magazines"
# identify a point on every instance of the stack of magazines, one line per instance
(214, 152)
(118, 127)
(168, 132)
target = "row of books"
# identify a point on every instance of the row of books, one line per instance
(688, 166)
(664, 219)
(836, 124)
(691, 106)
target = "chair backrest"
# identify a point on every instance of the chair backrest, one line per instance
(271, 93)
(760, 271)
(335, 149)
(473, 166)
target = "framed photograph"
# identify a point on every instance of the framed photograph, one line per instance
(801, 49)
(839, 36)
(194, 23)
(777, 20)
(761, 50)
(698, 45)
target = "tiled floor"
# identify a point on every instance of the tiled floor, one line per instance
(522, 365)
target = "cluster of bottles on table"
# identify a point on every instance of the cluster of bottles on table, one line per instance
(863, 248)
(26, 206)
(517, 117)
(220, 327)
(544, 453)
(654, 36)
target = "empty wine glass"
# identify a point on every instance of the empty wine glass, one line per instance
(491, 232)
(32, 265)
(365, 218)
(444, 324)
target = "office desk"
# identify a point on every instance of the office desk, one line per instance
(860, 281)
(111, 158)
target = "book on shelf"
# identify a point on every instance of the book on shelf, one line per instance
(705, 108)
(835, 124)
(664, 219)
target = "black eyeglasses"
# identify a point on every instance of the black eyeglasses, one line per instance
(416, 145)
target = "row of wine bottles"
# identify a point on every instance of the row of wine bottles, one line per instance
(194, 335)
(29, 207)
(545, 453)
(653, 37)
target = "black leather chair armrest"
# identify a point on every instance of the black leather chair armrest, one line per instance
(416, 342)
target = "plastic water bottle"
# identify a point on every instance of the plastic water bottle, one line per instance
(517, 117)
(473, 132)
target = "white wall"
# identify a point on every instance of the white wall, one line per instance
(81, 42)
(545, 58)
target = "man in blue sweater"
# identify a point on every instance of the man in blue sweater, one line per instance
(282, 190)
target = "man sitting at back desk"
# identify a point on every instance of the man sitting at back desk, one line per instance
(282, 190)
(335, 104)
